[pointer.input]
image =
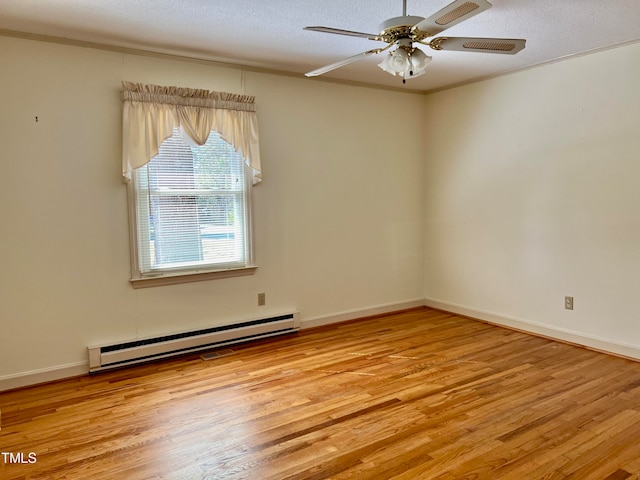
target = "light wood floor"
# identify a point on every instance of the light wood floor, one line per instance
(415, 395)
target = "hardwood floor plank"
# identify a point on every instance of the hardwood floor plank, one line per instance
(420, 394)
(619, 475)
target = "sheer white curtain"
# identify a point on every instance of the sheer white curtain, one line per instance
(151, 112)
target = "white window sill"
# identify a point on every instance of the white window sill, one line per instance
(176, 278)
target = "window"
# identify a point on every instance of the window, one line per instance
(190, 158)
(192, 208)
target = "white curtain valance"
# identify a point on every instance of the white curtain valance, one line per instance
(151, 112)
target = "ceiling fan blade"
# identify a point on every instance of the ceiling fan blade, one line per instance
(342, 63)
(451, 15)
(338, 31)
(508, 46)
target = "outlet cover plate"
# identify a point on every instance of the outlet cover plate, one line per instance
(568, 303)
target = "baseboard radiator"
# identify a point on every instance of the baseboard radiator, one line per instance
(132, 352)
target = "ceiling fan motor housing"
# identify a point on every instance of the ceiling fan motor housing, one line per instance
(395, 28)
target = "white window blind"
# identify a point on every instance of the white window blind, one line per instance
(191, 208)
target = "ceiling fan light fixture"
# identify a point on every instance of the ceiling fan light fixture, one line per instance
(400, 60)
(419, 61)
(385, 64)
(405, 63)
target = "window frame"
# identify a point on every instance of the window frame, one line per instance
(172, 276)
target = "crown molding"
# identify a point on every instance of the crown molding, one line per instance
(200, 61)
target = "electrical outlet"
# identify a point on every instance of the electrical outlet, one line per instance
(568, 303)
(262, 299)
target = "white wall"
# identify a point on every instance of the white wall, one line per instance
(338, 217)
(532, 193)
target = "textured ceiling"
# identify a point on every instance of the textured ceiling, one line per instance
(269, 34)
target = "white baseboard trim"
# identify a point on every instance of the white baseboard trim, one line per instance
(347, 315)
(595, 343)
(34, 377)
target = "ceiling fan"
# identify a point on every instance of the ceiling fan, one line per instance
(408, 61)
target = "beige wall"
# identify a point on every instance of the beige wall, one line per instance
(532, 185)
(338, 218)
(495, 199)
